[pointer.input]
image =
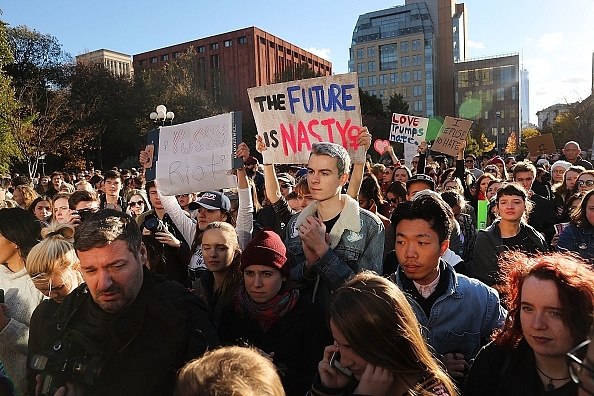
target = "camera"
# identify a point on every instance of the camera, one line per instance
(154, 224)
(84, 213)
(67, 361)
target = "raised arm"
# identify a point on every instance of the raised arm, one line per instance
(364, 139)
(245, 211)
(422, 150)
(271, 185)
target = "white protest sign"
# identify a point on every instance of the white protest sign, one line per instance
(291, 116)
(408, 129)
(451, 135)
(410, 150)
(197, 155)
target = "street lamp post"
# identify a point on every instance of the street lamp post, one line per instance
(162, 115)
(497, 116)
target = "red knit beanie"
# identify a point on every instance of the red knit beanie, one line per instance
(266, 249)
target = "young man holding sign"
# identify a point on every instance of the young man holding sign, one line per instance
(332, 239)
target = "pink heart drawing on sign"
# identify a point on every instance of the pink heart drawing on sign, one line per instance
(380, 145)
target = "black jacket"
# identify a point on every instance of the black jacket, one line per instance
(140, 348)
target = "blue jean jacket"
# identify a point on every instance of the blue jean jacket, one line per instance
(573, 239)
(356, 244)
(462, 319)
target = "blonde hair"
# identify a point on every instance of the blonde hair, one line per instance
(227, 371)
(54, 253)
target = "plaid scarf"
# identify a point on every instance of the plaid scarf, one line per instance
(268, 313)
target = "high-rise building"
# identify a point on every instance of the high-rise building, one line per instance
(116, 62)
(488, 92)
(411, 50)
(524, 98)
(244, 58)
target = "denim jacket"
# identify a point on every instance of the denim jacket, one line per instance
(356, 244)
(579, 241)
(462, 319)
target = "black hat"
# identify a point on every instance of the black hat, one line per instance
(214, 200)
(421, 177)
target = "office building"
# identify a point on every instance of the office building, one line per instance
(524, 98)
(411, 50)
(488, 91)
(242, 58)
(116, 62)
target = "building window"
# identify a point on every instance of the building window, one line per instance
(215, 61)
(228, 43)
(393, 78)
(176, 55)
(214, 46)
(405, 77)
(417, 75)
(383, 79)
(404, 46)
(242, 40)
(373, 92)
(507, 74)
(514, 93)
(201, 49)
(417, 90)
(405, 91)
(418, 105)
(500, 94)
(360, 53)
(262, 40)
(361, 67)
(416, 45)
(382, 94)
(463, 79)
(388, 57)
(416, 60)
(154, 59)
(362, 82)
(143, 62)
(405, 61)
(165, 57)
(512, 113)
(370, 52)
(372, 81)
(371, 66)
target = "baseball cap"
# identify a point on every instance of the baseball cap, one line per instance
(543, 162)
(285, 177)
(214, 200)
(421, 177)
(301, 172)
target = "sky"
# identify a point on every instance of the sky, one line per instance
(555, 39)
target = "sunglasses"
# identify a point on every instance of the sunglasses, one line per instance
(393, 200)
(468, 161)
(588, 183)
(285, 185)
(135, 203)
(182, 195)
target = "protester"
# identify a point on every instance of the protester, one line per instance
(578, 237)
(271, 313)
(19, 232)
(509, 232)
(378, 339)
(138, 203)
(550, 299)
(581, 371)
(41, 208)
(120, 315)
(24, 196)
(585, 182)
(232, 370)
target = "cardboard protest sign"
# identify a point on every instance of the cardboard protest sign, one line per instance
(453, 132)
(292, 116)
(380, 145)
(195, 156)
(542, 144)
(410, 150)
(408, 129)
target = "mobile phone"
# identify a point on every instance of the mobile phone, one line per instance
(335, 362)
(1, 295)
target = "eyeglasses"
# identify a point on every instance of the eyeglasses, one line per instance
(575, 361)
(588, 183)
(135, 203)
(285, 185)
(468, 161)
(182, 195)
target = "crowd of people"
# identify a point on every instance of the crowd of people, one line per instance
(442, 276)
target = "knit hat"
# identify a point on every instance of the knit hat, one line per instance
(266, 249)
(496, 160)
(214, 200)
(563, 164)
(285, 177)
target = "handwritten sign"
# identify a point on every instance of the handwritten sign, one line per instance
(195, 156)
(292, 116)
(380, 145)
(541, 144)
(408, 129)
(453, 132)
(410, 150)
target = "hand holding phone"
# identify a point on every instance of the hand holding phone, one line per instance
(335, 362)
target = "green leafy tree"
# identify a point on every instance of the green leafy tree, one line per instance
(300, 72)
(476, 141)
(398, 105)
(8, 104)
(576, 123)
(527, 133)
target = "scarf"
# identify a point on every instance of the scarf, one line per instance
(268, 313)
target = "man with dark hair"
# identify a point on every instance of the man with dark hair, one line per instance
(111, 198)
(133, 325)
(83, 199)
(457, 313)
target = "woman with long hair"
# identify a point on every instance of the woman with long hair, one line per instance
(378, 339)
(481, 185)
(222, 255)
(509, 232)
(19, 232)
(585, 182)
(550, 299)
(24, 196)
(268, 313)
(138, 202)
(42, 209)
(578, 236)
